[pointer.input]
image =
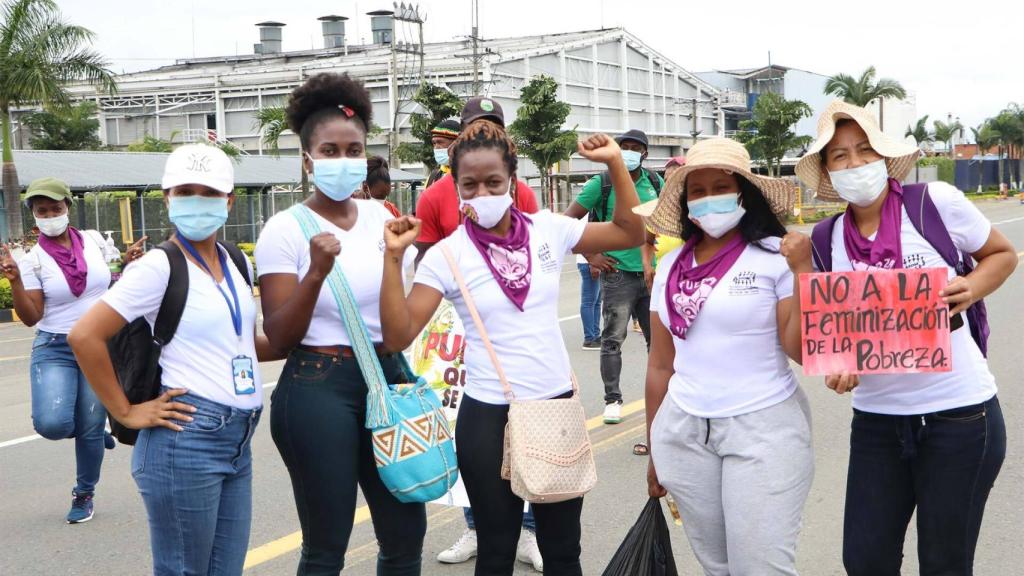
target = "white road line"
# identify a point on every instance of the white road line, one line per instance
(1008, 221)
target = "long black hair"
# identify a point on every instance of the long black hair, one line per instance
(758, 222)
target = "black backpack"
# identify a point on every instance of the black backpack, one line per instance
(606, 193)
(135, 349)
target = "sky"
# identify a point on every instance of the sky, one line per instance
(958, 58)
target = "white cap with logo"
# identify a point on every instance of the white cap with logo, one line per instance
(199, 164)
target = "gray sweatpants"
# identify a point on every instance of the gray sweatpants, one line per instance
(740, 483)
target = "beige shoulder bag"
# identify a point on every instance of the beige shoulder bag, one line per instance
(548, 457)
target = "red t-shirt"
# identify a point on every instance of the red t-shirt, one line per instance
(438, 208)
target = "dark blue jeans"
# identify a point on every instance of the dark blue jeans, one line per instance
(943, 464)
(590, 304)
(528, 522)
(197, 488)
(625, 295)
(65, 406)
(317, 417)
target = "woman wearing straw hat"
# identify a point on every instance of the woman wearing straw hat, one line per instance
(728, 425)
(934, 441)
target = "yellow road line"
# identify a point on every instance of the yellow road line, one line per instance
(293, 541)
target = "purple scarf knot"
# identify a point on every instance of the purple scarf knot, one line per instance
(886, 250)
(70, 260)
(689, 285)
(507, 258)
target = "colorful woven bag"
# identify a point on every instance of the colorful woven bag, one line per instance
(412, 443)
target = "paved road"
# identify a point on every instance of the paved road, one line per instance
(36, 476)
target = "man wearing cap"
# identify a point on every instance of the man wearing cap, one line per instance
(623, 288)
(438, 206)
(442, 137)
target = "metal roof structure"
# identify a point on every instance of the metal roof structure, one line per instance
(141, 171)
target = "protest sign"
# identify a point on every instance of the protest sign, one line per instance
(875, 322)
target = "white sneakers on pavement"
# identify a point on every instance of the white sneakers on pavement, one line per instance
(613, 413)
(463, 550)
(528, 552)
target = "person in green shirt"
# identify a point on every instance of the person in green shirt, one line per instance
(623, 288)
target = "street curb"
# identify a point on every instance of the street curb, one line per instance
(9, 316)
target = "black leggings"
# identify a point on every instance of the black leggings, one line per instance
(480, 433)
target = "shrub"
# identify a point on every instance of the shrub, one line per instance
(6, 296)
(947, 168)
(247, 248)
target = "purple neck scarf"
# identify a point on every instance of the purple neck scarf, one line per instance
(689, 286)
(886, 250)
(71, 260)
(508, 258)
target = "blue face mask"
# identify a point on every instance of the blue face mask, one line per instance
(338, 178)
(720, 204)
(441, 156)
(632, 158)
(197, 217)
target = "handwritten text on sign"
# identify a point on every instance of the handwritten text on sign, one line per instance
(875, 322)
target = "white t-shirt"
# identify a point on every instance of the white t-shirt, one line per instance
(61, 308)
(970, 381)
(199, 356)
(732, 361)
(528, 343)
(283, 249)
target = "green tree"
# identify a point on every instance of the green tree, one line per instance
(71, 128)
(1007, 130)
(920, 132)
(768, 135)
(863, 90)
(150, 143)
(985, 139)
(439, 104)
(945, 132)
(40, 53)
(271, 123)
(538, 132)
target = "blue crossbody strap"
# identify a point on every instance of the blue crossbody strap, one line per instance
(379, 410)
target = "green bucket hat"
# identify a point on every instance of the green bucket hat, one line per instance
(51, 188)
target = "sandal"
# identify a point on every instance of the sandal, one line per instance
(640, 449)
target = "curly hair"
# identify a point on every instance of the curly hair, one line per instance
(758, 222)
(482, 134)
(327, 96)
(377, 170)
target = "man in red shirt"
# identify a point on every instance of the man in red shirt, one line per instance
(438, 206)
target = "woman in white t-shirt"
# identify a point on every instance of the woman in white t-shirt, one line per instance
(192, 461)
(53, 285)
(318, 413)
(931, 441)
(512, 266)
(728, 425)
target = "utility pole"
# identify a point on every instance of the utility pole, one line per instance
(476, 47)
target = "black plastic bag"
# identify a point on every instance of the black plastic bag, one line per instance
(647, 549)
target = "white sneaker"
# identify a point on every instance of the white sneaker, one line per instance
(613, 413)
(528, 552)
(461, 551)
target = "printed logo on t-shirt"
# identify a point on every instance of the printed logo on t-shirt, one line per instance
(913, 261)
(547, 261)
(743, 284)
(381, 245)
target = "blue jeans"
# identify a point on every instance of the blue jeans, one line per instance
(590, 304)
(197, 488)
(317, 419)
(65, 406)
(528, 522)
(943, 464)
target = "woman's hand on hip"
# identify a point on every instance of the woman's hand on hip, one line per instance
(162, 411)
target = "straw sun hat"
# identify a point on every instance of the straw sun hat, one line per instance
(899, 156)
(664, 216)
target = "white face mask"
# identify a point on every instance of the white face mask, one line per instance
(862, 185)
(53, 227)
(487, 211)
(716, 215)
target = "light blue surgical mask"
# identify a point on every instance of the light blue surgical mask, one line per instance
(716, 215)
(197, 217)
(719, 204)
(441, 156)
(338, 178)
(632, 158)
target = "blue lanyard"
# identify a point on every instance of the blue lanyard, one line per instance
(236, 310)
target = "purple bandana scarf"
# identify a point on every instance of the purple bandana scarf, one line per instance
(71, 260)
(689, 286)
(508, 258)
(886, 250)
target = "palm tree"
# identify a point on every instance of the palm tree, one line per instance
(271, 124)
(985, 139)
(1008, 132)
(39, 54)
(864, 90)
(920, 132)
(946, 132)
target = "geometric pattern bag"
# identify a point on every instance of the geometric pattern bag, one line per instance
(412, 442)
(547, 454)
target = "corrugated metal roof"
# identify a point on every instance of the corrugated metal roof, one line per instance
(88, 171)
